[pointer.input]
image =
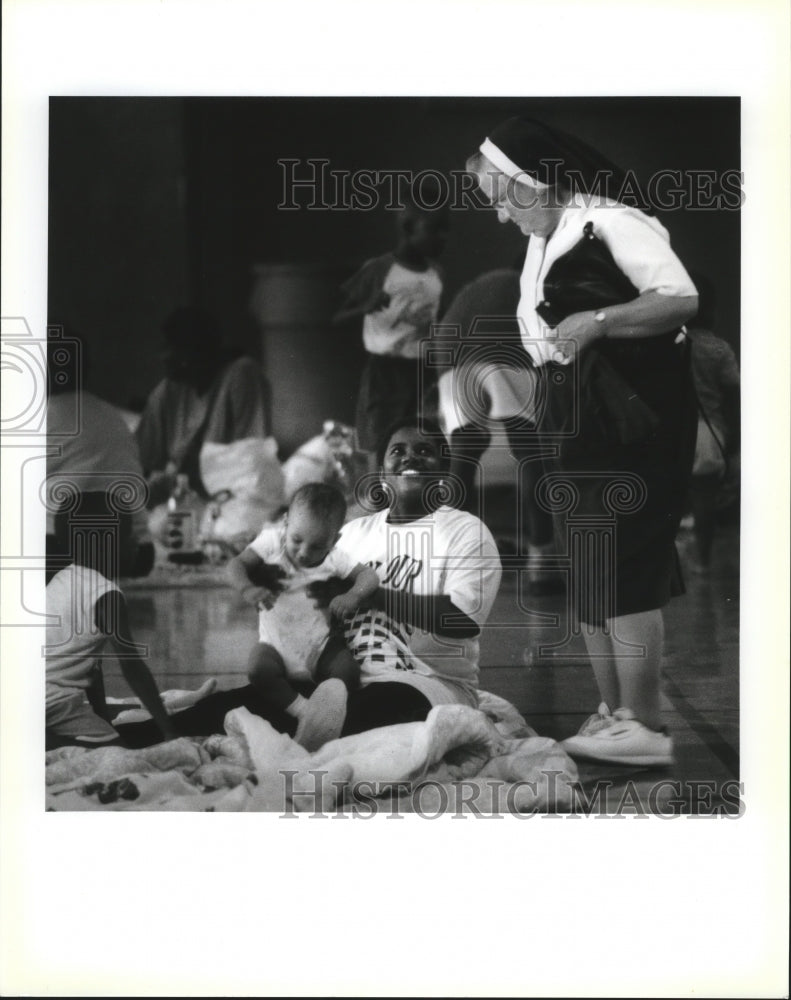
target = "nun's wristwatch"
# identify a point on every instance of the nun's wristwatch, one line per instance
(601, 318)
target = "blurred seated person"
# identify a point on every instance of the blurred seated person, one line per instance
(90, 447)
(715, 473)
(493, 382)
(88, 622)
(209, 394)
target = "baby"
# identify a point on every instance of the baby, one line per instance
(296, 647)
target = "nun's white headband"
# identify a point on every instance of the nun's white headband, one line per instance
(497, 157)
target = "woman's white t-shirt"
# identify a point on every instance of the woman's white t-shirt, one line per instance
(449, 552)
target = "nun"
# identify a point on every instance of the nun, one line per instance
(603, 302)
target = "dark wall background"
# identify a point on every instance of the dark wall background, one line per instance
(157, 201)
(117, 232)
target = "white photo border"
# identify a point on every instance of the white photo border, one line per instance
(152, 904)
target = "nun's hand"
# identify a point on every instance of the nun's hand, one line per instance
(578, 331)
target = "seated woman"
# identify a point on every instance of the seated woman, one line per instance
(439, 571)
(206, 396)
(417, 640)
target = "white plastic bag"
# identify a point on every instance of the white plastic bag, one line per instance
(250, 473)
(312, 462)
(327, 458)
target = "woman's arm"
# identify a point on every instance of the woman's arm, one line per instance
(365, 583)
(641, 249)
(471, 582)
(431, 612)
(649, 314)
(437, 614)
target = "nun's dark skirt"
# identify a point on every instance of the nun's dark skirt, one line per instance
(617, 504)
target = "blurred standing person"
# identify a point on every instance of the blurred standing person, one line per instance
(397, 295)
(494, 381)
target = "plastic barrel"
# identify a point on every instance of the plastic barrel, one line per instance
(313, 368)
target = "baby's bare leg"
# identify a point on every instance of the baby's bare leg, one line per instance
(337, 661)
(267, 673)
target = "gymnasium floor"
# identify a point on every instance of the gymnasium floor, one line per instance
(700, 679)
(202, 629)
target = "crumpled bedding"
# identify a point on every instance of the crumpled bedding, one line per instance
(460, 760)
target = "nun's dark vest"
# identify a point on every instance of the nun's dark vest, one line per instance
(625, 409)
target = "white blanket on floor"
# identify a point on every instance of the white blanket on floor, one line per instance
(459, 760)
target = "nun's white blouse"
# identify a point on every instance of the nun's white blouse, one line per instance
(640, 246)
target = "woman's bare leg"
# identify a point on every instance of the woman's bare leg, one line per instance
(598, 643)
(639, 675)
